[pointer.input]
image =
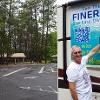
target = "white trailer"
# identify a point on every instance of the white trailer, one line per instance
(78, 22)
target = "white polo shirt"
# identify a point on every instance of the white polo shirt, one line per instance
(78, 73)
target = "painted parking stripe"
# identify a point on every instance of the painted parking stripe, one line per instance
(13, 72)
(52, 89)
(41, 70)
(30, 77)
(39, 88)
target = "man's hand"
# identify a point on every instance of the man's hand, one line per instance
(93, 51)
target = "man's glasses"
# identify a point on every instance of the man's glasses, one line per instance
(78, 52)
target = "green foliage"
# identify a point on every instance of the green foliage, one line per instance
(27, 27)
(52, 45)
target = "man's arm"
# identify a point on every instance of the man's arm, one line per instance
(72, 87)
(93, 51)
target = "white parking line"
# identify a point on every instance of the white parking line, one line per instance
(13, 72)
(30, 77)
(39, 88)
(52, 69)
(52, 89)
(26, 88)
(41, 70)
(48, 91)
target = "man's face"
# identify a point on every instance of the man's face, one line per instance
(77, 55)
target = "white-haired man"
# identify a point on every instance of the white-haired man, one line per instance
(78, 76)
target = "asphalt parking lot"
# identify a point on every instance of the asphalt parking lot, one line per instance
(28, 82)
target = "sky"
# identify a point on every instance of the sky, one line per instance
(60, 2)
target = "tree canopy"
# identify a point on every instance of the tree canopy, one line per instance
(28, 27)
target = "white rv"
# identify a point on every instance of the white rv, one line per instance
(78, 22)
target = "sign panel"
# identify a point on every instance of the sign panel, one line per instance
(85, 29)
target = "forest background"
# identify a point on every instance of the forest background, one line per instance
(28, 27)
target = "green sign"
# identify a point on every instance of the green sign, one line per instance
(85, 29)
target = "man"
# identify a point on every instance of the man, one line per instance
(78, 76)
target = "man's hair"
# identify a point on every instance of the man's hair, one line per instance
(72, 49)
